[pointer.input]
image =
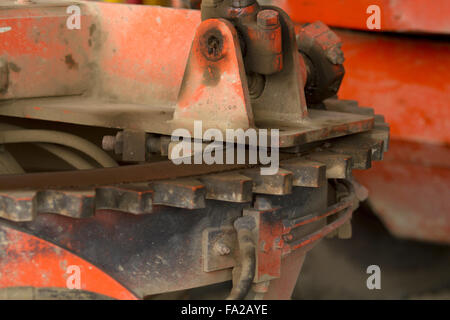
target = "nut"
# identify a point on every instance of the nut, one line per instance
(321, 50)
(109, 143)
(221, 249)
(211, 45)
(268, 19)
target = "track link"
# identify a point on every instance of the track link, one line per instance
(333, 159)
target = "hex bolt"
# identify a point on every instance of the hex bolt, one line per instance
(221, 249)
(268, 19)
(213, 46)
(113, 143)
(109, 143)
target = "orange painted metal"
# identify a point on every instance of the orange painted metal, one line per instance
(410, 190)
(47, 59)
(282, 288)
(405, 79)
(44, 60)
(277, 243)
(28, 261)
(203, 80)
(140, 73)
(419, 16)
(320, 234)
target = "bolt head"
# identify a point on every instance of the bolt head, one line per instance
(212, 45)
(108, 143)
(221, 249)
(268, 18)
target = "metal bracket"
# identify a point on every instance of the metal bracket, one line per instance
(219, 248)
(214, 87)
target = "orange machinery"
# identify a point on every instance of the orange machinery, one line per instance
(402, 71)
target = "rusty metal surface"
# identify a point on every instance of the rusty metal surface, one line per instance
(181, 230)
(70, 203)
(153, 253)
(306, 173)
(131, 198)
(44, 59)
(111, 67)
(17, 206)
(219, 248)
(231, 186)
(277, 184)
(321, 50)
(133, 173)
(283, 99)
(282, 288)
(30, 261)
(301, 219)
(339, 166)
(175, 263)
(286, 223)
(318, 126)
(215, 66)
(182, 193)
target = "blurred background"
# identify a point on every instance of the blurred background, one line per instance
(402, 71)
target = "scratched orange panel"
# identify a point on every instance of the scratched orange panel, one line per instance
(44, 57)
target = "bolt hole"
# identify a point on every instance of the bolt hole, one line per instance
(214, 46)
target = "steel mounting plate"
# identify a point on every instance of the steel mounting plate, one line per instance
(319, 125)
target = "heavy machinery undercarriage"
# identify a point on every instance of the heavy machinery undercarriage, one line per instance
(135, 223)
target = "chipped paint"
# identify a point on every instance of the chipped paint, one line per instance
(5, 29)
